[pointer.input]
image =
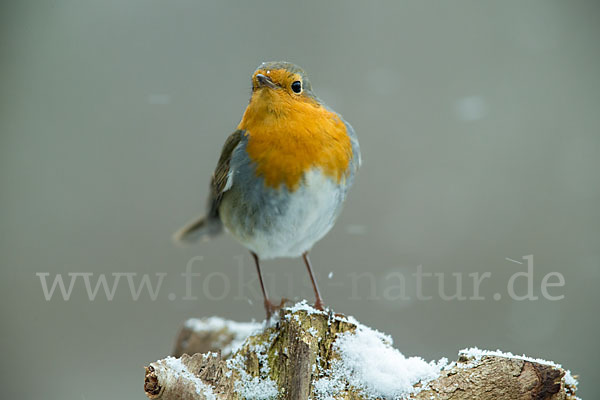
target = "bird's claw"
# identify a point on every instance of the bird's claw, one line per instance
(271, 308)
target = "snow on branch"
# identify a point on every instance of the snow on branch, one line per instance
(324, 356)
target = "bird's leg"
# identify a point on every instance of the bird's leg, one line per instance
(319, 302)
(270, 308)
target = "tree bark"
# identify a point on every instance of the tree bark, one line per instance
(283, 361)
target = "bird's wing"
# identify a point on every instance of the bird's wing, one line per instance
(222, 178)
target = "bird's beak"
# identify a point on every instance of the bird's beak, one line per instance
(265, 81)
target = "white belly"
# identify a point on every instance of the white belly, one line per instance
(278, 223)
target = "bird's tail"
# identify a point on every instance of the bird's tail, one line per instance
(202, 228)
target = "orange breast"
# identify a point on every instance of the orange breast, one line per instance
(287, 137)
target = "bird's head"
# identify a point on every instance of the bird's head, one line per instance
(281, 82)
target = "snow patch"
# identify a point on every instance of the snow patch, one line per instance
(240, 331)
(254, 387)
(327, 388)
(304, 306)
(371, 365)
(182, 372)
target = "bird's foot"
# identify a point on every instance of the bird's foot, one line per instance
(272, 308)
(319, 305)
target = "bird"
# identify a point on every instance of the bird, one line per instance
(283, 174)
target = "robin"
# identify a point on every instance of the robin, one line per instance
(283, 174)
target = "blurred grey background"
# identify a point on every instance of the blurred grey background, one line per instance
(479, 125)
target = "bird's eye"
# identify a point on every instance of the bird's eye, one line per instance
(297, 86)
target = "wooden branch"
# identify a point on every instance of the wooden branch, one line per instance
(302, 356)
(213, 335)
